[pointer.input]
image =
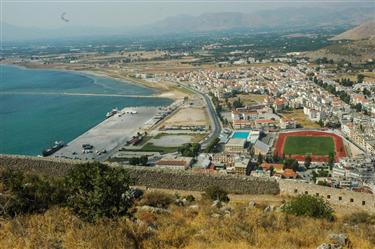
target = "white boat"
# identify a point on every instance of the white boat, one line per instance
(111, 113)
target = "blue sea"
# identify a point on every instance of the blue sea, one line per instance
(34, 114)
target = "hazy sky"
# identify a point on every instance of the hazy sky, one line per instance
(46, 13)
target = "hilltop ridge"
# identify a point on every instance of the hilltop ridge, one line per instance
(364, 31)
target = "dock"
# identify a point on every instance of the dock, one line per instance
(103, 140)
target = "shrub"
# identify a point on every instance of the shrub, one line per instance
(307, 205)
(190, 198)
(190, 149)
(97, 190)
(29, 193)
(157, 199)
(217, 193)
(360, 218)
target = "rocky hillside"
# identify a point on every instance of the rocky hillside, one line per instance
(95, 207)
(363, 31)
(355, 51)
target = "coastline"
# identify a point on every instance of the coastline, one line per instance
(162, 89)
(91, 74)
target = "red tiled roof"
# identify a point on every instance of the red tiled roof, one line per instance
(267, 166)
(289, 173)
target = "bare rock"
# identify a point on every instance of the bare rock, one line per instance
(339, 239)
(194, 207)
(217, 204)
(215, 215)
(324, 246)
(268, 209)
(252, 204)
(155, 210)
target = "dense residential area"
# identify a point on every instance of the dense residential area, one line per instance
(276, 92)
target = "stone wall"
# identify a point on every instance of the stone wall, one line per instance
(186, 180)
(362, 201)
(48, 166)
(152, 177)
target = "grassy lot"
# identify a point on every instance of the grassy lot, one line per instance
(196, 138)
(300, 117)
(154, 148)
(307, 145)
(252, 97)
(249, 99)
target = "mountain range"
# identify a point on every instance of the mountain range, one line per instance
(276, 19)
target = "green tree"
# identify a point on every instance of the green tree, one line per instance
(134, 161)
(217, 193)
(96, 190)
(212, 146)
(143, 160)
(190, 150)
(331, 160)
(308, 205)
(308, 160)
(358, 107)
(29, 193)
(260, 159)
(360, 78)
(237, 103)
(291, 163)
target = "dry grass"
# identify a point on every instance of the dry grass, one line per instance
(182, 227)
(188, 116)
(249, 99)
(301, 118)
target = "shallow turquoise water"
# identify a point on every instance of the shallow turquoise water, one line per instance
(31, 122)
(240, 134)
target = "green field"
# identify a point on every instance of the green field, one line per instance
(309, 145)
(151, 147)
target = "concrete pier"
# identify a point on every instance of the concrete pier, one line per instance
(107, 136)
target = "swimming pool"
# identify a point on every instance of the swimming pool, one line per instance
(240, 134)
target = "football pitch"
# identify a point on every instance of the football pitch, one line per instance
(301, 145)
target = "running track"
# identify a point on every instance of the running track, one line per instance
(339, 145)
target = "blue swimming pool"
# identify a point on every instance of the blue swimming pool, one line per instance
(240, 134)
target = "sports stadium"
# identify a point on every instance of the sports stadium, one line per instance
(318, 144)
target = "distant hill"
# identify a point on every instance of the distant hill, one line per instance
(364, 31)
(283, 18)
(265, 20)
(359, 48)
(359, 51)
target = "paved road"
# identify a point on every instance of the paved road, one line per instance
(216, 126)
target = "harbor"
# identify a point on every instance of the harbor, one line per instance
(121, 126)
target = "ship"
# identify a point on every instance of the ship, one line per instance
(49, 151)
(111, 113)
